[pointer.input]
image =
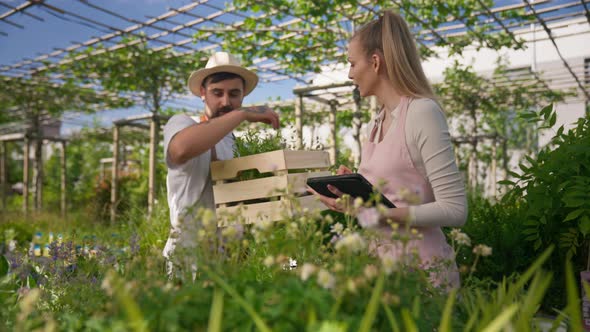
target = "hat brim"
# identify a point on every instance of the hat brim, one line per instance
(196, 79)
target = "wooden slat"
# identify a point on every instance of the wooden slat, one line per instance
(311, 203)
(267, 211)
(263, 162)
(297, 181)
(251, 213)
(307, 159)
(263, 187)
(251, 189)
(270, 162)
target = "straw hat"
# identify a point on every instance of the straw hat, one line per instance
(222, 62)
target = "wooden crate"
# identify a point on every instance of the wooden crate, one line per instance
(264, 198)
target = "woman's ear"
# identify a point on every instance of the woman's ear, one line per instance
(376, 62)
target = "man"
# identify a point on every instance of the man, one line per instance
(190, 146)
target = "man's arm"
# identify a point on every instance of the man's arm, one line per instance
(199, 138)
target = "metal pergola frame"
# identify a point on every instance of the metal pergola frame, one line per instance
(188, 19)
(164, 31)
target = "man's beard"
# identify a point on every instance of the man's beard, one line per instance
(222, 111)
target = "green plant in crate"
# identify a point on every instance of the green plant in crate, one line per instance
(254, 142)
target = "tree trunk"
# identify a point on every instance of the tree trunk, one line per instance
(154, 126)
(37, 164)
(38, 175)
(26, 175)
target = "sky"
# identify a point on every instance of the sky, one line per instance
(42, 37)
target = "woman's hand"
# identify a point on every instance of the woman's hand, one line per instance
(335, 204)
(343, 170)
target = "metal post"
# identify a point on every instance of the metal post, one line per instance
(152, 163)
(299, 122)
(115, 173)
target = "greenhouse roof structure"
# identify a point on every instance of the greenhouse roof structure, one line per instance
(288, 39)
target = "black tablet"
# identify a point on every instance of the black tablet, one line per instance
(353, 184)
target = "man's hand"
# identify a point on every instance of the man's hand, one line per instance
(262, 114)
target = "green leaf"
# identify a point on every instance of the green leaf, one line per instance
(574, 214)
(572, 201)
(4, 266)
(585, 225)
(506, 182)
(371, 311)
(391, 318)
(260, 324)
(573, 300)
(31, 283)
(528, 115)
(553, 119)
(445, 322)
(409, 323)
(502, 320)
(546, 111)
(523, 168)
(216, 314)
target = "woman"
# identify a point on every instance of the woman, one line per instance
(408, 148)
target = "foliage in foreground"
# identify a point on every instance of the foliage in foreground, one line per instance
(247, 280)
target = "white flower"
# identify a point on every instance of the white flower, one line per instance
(263, 224)
(269, 261)
(351, 286)
(368, 217)
(370, 271)
(11, 245)
(482, 250)
(307, 270)
(460, 237)
(326, 279)
(353, 242)
(389, 264)
(358, 202)
(292, 263)
(337, 228)
(292, 230)
(235, 231)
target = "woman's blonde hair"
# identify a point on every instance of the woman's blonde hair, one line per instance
(391, 36)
